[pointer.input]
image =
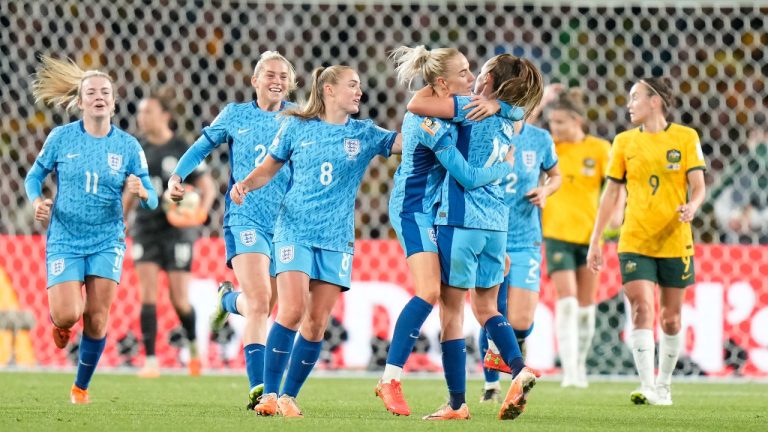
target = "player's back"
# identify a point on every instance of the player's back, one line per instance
(482, 144)
(419, 176)
(534, 153)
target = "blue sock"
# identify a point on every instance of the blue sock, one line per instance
(279, 346)
(305, 355)
(254, 363)
(490, 375)
(408, 324)
(229, 302)
(501, 333)
(90, 353)
(455, 369)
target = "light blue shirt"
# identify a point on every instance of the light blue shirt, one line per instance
(327, 163)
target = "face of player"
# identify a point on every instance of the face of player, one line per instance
(564, 125)
(346, 93)
(458, 79)
(483, 83)
(272, 82)
(97, 98)
(639, 105)
(150, 116)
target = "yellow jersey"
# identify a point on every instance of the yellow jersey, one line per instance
(570, 212)
(655, 168)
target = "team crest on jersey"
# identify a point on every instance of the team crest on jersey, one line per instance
(57, 267)
(352, 148)
(589, 167)
(430, 126)
(115, 161)
(529, 159)
(630, 267)
(673, 157)
(248, 237)
(286, 254)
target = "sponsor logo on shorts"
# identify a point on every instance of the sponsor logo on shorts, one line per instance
(248, 237)
(57, 267)
(432, 235)
(557, 257)
(286, 254)
(630, 267)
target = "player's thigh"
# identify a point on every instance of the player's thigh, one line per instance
(65, 301)
(425, 270)
(459, 251)
(239, 240)
(415, 232)
(332, 267)
(253, 274)
(522, 303)
(491, 259)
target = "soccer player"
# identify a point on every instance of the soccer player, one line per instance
(472, 232)
(93, 161)
(536, 177)
(428, 150)
(328, 153)
(661, 165)
(568, 220)
(248, 128)
(158, 245)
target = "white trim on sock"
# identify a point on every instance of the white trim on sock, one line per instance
(492, 385)
(391, 372)
(642, 344)
(492, 347)
(669, 351)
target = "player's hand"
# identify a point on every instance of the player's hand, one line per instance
(687, 212)
(482, 108)
(238, 192)
(507, 264)
(510, 157)
(595, 258)
(43, 210)
(175, 189)
(134, 186)
(537, 196)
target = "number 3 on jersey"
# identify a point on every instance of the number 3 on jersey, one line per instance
(326, 173)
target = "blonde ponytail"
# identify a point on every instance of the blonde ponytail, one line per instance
(59, 82)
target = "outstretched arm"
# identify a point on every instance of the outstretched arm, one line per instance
(260, 176)
(470, 177)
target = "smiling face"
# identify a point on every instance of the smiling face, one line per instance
(346, 93)
(97, 99)
(272, 82)
(457, 79)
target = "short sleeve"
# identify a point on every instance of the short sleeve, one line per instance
(382, 139)
(282, 146)
(550, 155)
(603, 157)
(617, 168)
(138, 159)
(695, 156)
(47, 156)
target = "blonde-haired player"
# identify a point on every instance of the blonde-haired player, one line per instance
(567, 222)
(661, 165)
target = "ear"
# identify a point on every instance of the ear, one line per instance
(254, 80)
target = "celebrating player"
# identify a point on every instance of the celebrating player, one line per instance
(328, 153)
(248, 128)
(93, 161)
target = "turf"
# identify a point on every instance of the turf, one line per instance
(39, 401)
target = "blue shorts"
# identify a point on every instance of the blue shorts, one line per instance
(247, 239)
(471, 258)
(525, 269)
(416, 232)
(68, 267)
(319, 264)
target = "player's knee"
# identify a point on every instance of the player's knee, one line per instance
(521, 321)
(670, 323)
(290, 315)
(429, 296)
(95, 323)
(65, 319)
(257, 306)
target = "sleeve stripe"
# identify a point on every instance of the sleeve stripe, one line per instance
(701, 167)
(617, 180)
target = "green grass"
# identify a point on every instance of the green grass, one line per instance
(39, 401)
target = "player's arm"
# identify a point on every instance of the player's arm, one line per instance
(397, 145)
(141, 187)
(608, 204)
(260, 176)
(33, 185)
(187, 164)
(470, 177)
(426, 103)
(698, 191)
(549, 184)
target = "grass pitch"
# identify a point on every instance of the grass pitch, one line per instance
(40, 401)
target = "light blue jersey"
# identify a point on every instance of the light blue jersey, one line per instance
(482, 144)
(87, 214)
(534, 153)
(249, 131)
(327, 164)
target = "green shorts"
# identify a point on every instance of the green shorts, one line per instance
(564, 255)
(667, 272)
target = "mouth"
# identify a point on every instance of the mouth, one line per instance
(276, 90)
(356, 101)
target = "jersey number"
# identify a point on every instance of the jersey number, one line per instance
(653, 181)
(326, 173)
(91, 188)
(511, 182)
(261, 154)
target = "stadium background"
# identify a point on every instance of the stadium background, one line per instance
(206, 51)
